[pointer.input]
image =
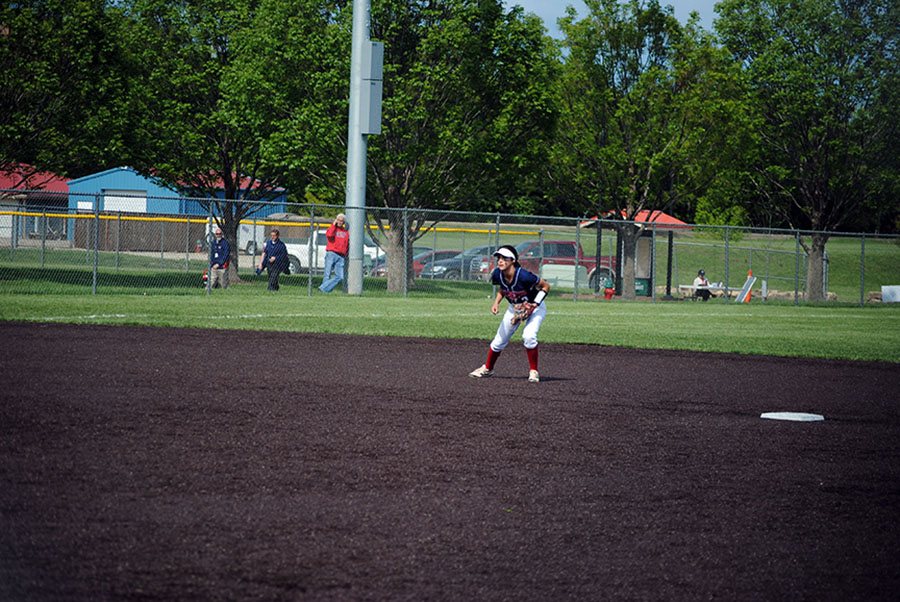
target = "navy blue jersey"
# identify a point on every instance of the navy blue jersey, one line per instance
(522, 288)
(220, 252)
(276, 249)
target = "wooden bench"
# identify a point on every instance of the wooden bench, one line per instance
(688, 290)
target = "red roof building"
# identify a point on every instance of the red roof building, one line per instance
(24, 188)
(25, 177)
(659, 218)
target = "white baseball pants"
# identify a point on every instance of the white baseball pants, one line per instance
(529, 331)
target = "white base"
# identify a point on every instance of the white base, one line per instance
(794, 416)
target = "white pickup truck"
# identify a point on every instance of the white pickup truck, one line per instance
(299, 252)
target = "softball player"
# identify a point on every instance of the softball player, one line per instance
(518, 286)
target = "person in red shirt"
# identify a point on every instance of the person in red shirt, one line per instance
(338, 238)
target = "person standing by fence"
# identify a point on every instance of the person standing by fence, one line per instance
(338, 238)
(219, 253)
(274, 259)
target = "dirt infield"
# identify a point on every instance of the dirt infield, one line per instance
(167, 464)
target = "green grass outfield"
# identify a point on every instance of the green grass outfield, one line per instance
(816, 331)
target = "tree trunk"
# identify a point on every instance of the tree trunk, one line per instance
(629, 233)
(394, 260)
(394, 251)
(230, 231)
(815, 276)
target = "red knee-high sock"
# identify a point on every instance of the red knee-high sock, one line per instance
(492, 358)
(532, 358)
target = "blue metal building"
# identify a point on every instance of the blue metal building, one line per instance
(124, 190)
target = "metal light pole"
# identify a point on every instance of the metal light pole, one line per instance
(365, 118)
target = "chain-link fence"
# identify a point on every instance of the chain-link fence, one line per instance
(67, 244)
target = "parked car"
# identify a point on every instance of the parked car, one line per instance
(555, 261)
(429, 258)
(380, 261)
(418, 262)
(460, 266)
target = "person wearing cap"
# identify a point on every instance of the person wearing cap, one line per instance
(219, 252)
(699, 281)
(335, 253)
(517, 286)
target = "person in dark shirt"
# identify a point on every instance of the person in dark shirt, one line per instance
(219, 253)
(525, 290)
(274, 259)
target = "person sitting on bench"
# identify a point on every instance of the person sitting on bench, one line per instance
(701, 280)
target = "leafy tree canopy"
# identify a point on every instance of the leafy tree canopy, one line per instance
(237, 96)
(648, 111)
(466, 102)
(62, 85)
(466, 112)
(825, 75)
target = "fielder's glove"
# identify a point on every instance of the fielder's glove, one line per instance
(522, 313)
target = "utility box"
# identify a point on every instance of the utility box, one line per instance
(890, 294)
(642, 287)
(373, 60)
(371, 90)
(370, 106)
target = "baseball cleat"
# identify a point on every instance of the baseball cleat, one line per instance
(481, 372)
(533, 376)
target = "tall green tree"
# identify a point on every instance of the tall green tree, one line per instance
(648, 110)
(237, 95)
(466, 104)
(825, 74)
(62, 85)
